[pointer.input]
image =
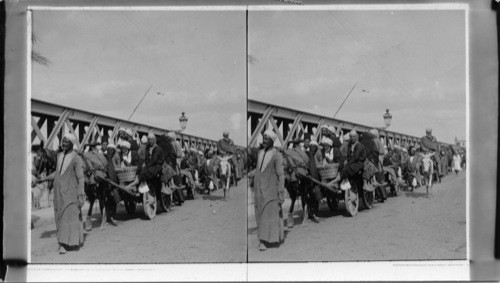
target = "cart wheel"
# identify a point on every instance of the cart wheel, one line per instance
(130, 206)
(165, 202)
(333, 203)
(149, 203)
(351, 201)
(368, 199)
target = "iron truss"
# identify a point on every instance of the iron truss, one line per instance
(290, 124)
(49, 120)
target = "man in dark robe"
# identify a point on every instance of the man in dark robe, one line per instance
(152, 168)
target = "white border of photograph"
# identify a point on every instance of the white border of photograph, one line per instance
(332, 271)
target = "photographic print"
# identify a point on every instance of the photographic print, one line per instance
(138, 135)
(357, 133)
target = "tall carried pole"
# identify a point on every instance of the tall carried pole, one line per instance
(345, 99)
(144, 96)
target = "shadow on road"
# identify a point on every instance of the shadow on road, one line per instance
(48, 234)
(416, 194)
(212, 197)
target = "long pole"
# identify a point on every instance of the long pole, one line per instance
(345, 99)
(144, 96)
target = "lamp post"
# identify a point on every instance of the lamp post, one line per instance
(183, 122)
(387, 120)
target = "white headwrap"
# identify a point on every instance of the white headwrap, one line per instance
(70, 137)
(272, 135)
(144, 139)
(151, 136)
(331, 129)
(313, 143)
(327, 141)
(111, 145)
(129, 132)
(125, 144)
(374, 132)
(172, 135)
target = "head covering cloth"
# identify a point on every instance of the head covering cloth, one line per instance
(70, 137)
(272, 135)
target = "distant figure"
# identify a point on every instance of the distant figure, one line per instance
(225, 147)
(457, 160)
(269, 186)
(429, 143)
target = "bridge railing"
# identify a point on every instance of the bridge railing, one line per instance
(49, 122)
(290, 124)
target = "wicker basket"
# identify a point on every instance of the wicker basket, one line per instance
(328, 171)
(126, 174)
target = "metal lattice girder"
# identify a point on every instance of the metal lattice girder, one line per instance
(36, 129)
(57, 128)
(256, 108)
(261, 126)
(295, 124)
(50, 113)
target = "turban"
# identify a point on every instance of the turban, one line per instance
(144, 139)
(70, 137)
(125, 144)
(374, 132)
(331, 129)
(122, 129)
(151, 136)
(353, 133)
(111, 145)
(327, 141)
(172, 135)
(270, 134)
(129, 132)
(313, 143)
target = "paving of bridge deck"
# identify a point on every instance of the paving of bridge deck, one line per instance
(406, 227)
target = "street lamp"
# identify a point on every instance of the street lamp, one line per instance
(183, 122)
(387, 118)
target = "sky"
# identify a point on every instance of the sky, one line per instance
(104, 62)
(410, 62)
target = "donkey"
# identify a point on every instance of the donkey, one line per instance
(225, 174)
(428, 170)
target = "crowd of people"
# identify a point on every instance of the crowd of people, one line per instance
(160, 162)
(362, 158)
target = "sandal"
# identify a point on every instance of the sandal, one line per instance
(262, 247)
(62, 250)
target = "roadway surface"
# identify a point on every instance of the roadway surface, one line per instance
(207, 229)
(406, 227)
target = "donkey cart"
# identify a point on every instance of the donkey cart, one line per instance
(335, 189)
(133, 193)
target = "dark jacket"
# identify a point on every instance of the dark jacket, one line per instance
(355, 161)
(371, 150)
(154, 162)
(169, 155)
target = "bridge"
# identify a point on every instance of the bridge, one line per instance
(49, 122)
(290, 124)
